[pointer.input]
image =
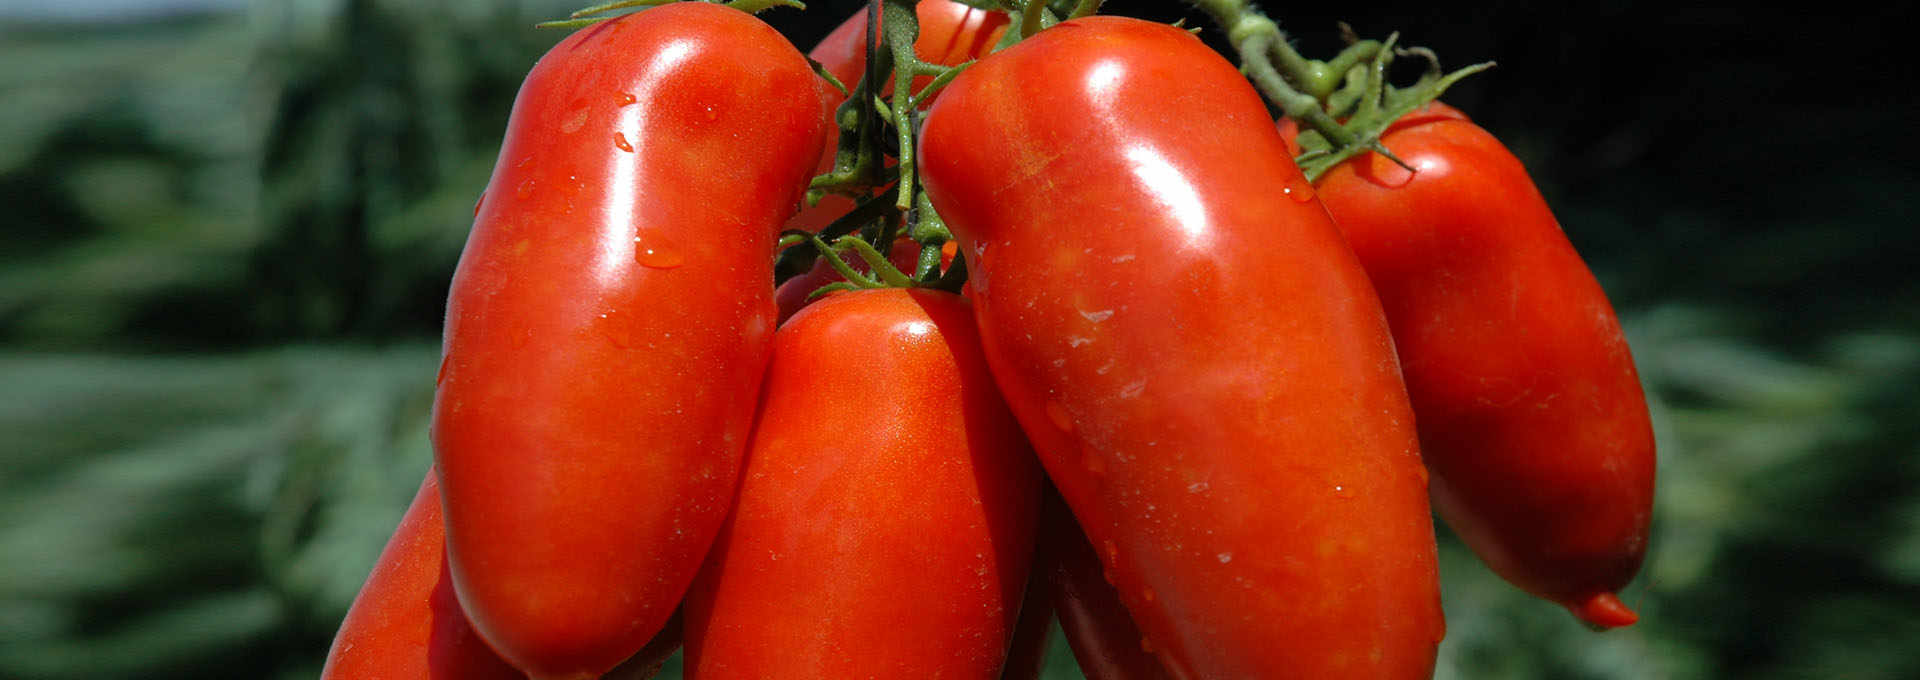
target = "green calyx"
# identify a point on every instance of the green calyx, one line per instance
(1343, 105)
(891, 201)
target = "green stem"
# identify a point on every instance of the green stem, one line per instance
(1084, 8)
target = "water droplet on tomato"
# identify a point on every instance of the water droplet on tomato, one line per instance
(1300, 193)
(479, 202)
(1057, 415)
(1224, 557)
(525, 189)
(657, 253)
(627, 99)
(441, 375)
(1198, 487)
(620, 142)
(711, 115)
(1342, 491)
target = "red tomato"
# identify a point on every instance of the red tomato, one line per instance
(1194, 352)
(950, 33)
(886, 516)
(1104, 639)
(1027, 655)
(609, 324)
(1531, 414)
(406, 622)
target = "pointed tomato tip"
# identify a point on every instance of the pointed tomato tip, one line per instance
(1604, 611)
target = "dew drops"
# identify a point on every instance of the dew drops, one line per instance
(1198, 487)
(525, 189)
(1097, 317)
(1133, 389)
(1076, 341)
(1300, 193)
(1224, 557)
(627, 99)
(657, 253)
(1123, 259)
(1342, 491)
(620, 142)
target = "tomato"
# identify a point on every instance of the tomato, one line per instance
(1105, 641)
(609, 323)
(1027, 654)
(885, 524)
(406, 622)
(951, 33)
(1193, 351)
(1531, 414)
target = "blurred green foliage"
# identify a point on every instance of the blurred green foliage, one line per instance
(230, 234)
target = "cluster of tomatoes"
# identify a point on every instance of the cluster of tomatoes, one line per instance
(1243, 384)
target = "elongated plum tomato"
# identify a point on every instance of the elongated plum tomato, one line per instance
(1531, 415)
(950, 33)
(407, 623)
(894, 544)
(1104, 639)
(1193, 351)
(609, 324)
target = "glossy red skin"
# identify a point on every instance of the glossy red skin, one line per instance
(1104, 639)
(609, 324)
(1196, 356)
(1531, 415)
(885, 524)
(950, 34)
(406, 621)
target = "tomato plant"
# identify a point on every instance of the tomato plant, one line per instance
(1231, 373)
(950, 33)
(1530, 412)
(609, 324)
(1194, 352)
(895, 543)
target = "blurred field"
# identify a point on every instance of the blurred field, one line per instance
(229, 234)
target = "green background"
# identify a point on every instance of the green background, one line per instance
(228, 235)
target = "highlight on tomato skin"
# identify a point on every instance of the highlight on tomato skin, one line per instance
(609, 323)
(1196, 356)
(1531, 413)
(895, 546)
